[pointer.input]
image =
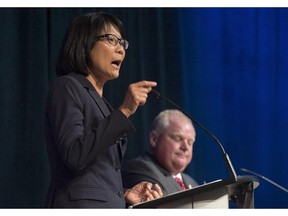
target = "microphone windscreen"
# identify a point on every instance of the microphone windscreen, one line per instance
(155, 93)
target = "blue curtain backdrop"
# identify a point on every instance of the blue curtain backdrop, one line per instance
(228, 68)
(235, 82)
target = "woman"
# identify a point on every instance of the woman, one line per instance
(86, 137)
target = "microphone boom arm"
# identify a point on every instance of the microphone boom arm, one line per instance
(265, 178)
(227, 160)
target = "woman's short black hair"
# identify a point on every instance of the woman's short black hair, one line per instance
(79, 40)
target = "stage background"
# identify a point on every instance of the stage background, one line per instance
(227, 67)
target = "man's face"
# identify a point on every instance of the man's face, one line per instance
(174, 147)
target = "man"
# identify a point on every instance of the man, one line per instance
(171, 146)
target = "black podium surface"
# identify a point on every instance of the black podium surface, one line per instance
(216, 194)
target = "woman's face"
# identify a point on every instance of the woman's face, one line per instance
(106, 59)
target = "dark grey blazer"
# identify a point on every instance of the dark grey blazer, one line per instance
(86, 140)
(146, 168)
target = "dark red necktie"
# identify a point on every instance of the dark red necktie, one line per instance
(180, 182)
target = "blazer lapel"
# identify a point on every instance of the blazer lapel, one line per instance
(173, 185)
(99, 101)
(104, 107)
(94, 94)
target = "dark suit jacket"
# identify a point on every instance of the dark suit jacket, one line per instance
(146, 168)
(86, 140)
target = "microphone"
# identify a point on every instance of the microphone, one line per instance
(263, 177)
(226, 158)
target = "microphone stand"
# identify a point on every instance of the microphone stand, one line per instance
(263, 177)
(226, 158)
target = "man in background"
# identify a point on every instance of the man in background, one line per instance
(171, 147)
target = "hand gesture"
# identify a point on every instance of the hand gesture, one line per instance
(136, 96)
(142, 192)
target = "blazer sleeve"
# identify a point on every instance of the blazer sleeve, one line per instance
(77, 126)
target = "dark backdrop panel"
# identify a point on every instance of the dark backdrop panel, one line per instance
(236, 83)
(23, 85)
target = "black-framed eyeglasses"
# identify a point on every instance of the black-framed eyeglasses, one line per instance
(114, 40)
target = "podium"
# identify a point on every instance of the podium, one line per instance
(216, 194)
